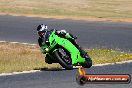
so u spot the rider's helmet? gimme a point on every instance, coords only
(42, 29)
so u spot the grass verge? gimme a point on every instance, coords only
(20, 57)
(101, 56)
(120, 10)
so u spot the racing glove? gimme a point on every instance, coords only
(67, 35)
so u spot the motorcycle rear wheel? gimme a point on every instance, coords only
(87, 63)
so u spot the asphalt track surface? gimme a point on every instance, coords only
(64, 78)
(90, 34)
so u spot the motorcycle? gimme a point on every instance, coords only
(63, 51)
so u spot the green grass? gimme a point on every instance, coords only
(111, 9)
(19, 57)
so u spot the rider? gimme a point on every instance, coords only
(44, 33)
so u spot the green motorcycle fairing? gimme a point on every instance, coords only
(55, 39)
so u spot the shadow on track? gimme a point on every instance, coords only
(52, 69)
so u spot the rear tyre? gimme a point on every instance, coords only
(64, 61)
(87, 63)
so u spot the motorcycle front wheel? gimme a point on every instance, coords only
(63, 58)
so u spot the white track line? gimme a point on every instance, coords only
(15, 73)
(122, 62)
(17, 43)
(33, 71)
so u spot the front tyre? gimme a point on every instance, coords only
(63, 59)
